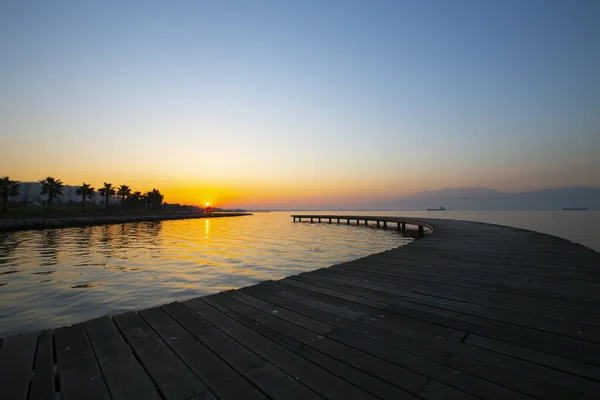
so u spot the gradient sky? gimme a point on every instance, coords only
(269, 103)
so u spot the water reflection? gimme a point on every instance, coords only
(8, 244)
(106, 240)
(84, 240)
(152, 230)
(125, 235)
(125, 240)
(49, 243)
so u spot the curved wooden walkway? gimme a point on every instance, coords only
(470, 311)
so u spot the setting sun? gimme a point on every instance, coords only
(207, 204)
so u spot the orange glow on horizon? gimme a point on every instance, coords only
(241, 189)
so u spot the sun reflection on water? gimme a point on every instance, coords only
(206, 231)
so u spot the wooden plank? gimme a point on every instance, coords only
(287, 308)
(534, 371)
(574, 330)
(427, 278)
(467, 264)
(236, 355)
(564, 346)
(42, 384)
(122, 373)
(575, 384)
(526, 287)
(219, 377)
(311, 302)
(516, 381)
(400, 342)
(456, 378)
(279, 385)
(385, 319)
(428, 275)
(311, 375)
(555, 253)
(78, 372)
(374, 302)
(549, 343)
(549, 375)
(406, 278)
(435, 390)
(367, 382)
(358, 277)
(283, 333)
(172, 377)
(16, 361)
(470, 296)
(273, 328)
(366, 323)
(470, 257)
(298, 319)
(565, 364)
(270, 379)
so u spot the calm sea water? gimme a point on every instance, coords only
(57, 277)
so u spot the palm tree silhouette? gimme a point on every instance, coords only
(106, 192)
(124, 191)
(10, 188)
(137, 197)
(144, 200)
(52, 187)
(155, 199)
(85, 191)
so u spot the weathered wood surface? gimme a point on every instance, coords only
(470, 311)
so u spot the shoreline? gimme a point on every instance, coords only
(37, 223)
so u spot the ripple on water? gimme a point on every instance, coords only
(99, 270)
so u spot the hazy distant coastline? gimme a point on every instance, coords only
(491, 199)
(466, 199)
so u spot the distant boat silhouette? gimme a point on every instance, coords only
(437, 209)
(575, 208)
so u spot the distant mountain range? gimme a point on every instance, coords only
(474, 198)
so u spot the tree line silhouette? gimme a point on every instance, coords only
(52, 188)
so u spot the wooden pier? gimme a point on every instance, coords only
(469, 311)
(420, 225)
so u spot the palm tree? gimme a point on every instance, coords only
(8, 188)
(144, 200)
(137, 197)
(124, 191)
(107, 191)
(85, 191)
(155, 199)
(52, 187)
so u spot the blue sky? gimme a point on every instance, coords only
(234, 100)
